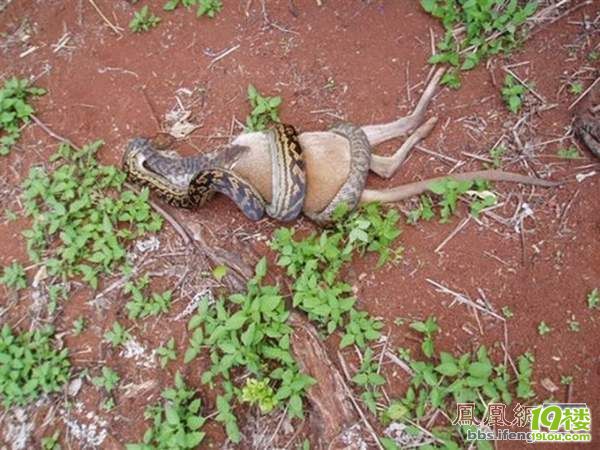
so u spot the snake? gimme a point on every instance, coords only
(189, 182)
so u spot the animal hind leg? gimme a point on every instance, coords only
(386, 166)
(377, 134)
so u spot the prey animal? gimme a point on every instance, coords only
(282, 173)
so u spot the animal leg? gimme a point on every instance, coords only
(386, 166)
(383, 132)
(411, 189)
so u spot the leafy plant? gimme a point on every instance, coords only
(14, 276)
(78, 325)
(513, 94)
(260, 393)
(141, 307)
(15, 111)
(423, 211)
(443, 380)
(167, 353)
(117, 335)
(264, 110)
(369, 379)
(576, 88)
(51, 442)
(81, 217)
(315, 262)
(209, 8)
(568, 153)
(507, 312)
(108, 380)
(450, 190)
(428, 329)
(566, 380)
(475, 30)
(249, 331)
(143, 20)
(176, 422)
(30, 366)
(543, 328)
(593, 299)
(574, 325)
(496, 154)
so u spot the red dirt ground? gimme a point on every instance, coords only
(355, 59)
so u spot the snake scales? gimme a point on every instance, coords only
(191, 181)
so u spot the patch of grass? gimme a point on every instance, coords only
(143, 20)
(141, 306)
(176, 422)
(568, 153)
(30, 366)
(265, 110)
(14, 276)
(593, 299)
(15, 111)
(167, 353)
(442, 380)
(476, 30)
(543, 328)
(513, 94)
(208, 8)
(81, 216)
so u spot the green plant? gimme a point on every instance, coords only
(543, 328)
(423, 211)
(566, 380)
(593, 299)
(442, 380)
(81, 218)
(370, 380)
(15, 111)
(507, 312)
(219, 272)
(513, 94)
(315, 262)
(30, 366)
(249, 331)
(264, 110)
(450, 190)
(593, 56)
(143, 20)
(576, 88)
(78, 325)
(209, 8)
(141, 307)
(568, 153)
(117, 335)
(14, 276)
(108, 380)
(496, 154)
(176, 422)
(574, 325)
(428, 329)
(167, 353)
(10, 215)
(51, 442)
(475, 30)
(259, 392)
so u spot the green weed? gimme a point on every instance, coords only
(14, 276)
(143, 20)
(51, 442)
(593, 299)
(259, 393)
(208, 8)
(513, 94)
(81, 216)
(15, 111)
(543, 328)
(568, 153)
(450, 190)
(140, 306)
(117, 335)
(176, 422)
(30, 366)
(264, 110)
(167, 353)
(370, 380)
(108, 380)
(78, 325)
(475, 30)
